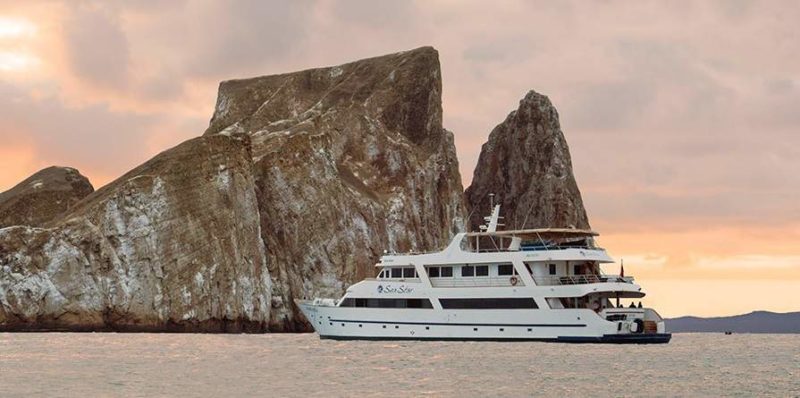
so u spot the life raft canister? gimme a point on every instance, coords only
(513, 280)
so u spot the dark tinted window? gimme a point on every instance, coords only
(467, 270)
(447, 272)
(387, 303)
(408, 272)
(397, 272)
(433, 272)
(418, 303)
(348, 302)
(505, 269)
(489, 303)
(552, 269)
(482, 270)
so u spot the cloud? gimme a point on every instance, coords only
(96, 46)
(212, 39)
(93, 139)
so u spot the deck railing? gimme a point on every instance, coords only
(488, 281)
(549, 280)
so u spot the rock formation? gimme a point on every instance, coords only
(349, 161)
(526, 163)
(43, 197)
(172, 245)
(299, 184)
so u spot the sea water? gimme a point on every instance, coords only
(276, 365)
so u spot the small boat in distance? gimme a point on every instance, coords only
(531, 284)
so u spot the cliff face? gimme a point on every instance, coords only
(43, 197)
(526, 163)
(172, 245)
(299, 184)
(348, 161)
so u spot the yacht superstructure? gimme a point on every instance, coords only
(531, 284)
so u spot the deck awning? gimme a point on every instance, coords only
(540, 233)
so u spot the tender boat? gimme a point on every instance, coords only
(530, 284)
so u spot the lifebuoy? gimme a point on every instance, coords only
(513, 280)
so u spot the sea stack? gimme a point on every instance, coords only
(526, 163)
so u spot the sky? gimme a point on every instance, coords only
(683, 117)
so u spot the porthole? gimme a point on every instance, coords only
(530, 330)
(502, 330)
(475, 329)
(360, 325)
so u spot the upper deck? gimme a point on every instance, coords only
(547, 244)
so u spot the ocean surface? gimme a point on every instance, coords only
(110, 364)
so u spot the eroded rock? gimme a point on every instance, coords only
(43, 197)
(349, 161)
(526, 163)
(299, 184)
(173, 245)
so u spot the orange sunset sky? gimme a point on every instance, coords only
(683, 117)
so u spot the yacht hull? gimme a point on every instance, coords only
(568, 326)
(658, 338)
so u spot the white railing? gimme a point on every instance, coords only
(487, 281)
(548, 280)
(398, 280)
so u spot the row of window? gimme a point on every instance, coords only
(466, 271)
(386, 303)
(489, 303)
(440, 272)
(447, 271)
(406, 272)
(447, 303)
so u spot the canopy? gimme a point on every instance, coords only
(541, 233)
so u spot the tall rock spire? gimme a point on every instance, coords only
(526, 163)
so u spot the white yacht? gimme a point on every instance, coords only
(533, 284)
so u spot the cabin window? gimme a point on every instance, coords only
(505, 269)
(482, 270)
(467, 270)
(409, 272)
(397, 272)
(552, 269)
(433, 272)
(387, 303)
(446, 272)
(488, 303)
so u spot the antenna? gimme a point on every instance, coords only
(528, 213)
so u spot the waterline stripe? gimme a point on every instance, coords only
(553, 325)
